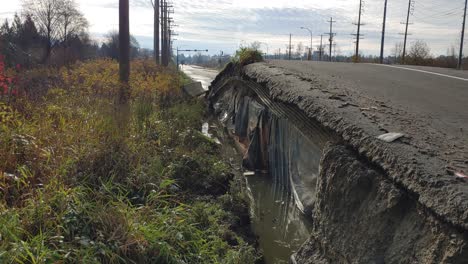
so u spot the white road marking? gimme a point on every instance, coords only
(428, 72)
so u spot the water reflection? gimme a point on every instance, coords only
(280, 225)
(200, 74)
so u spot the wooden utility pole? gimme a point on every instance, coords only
(156, 40)
(358, 32)
(460, 56)
(124, 41)
(167, 35)
(410, 3)
(290, 46)
(163, 32)
(331, 38)
(382, 42)
(321, 48)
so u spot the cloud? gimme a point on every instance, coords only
(222, 24)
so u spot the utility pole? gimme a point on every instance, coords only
(410, 10)
(163, 32)
(321, 48)
(156, 40)
(124, 43)
(310, 50)
(460, 57)
(290, 46)
(382, 43)
(331, 34)
(166, 35)
(358, 33)
(170, 32)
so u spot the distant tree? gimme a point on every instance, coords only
(5, 28)
(72, 24)
(6, 36)
(28, 35)
(18, 41)
(17, 25)
(419, 53)
(110, 47)
(71, 21)
(47, 15)
(397, 51)
(299, 50)
(256, 45)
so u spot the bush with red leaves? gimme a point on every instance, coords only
(8, 81)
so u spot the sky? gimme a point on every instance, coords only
(222, 25)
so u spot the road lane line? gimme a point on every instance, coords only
(416, 70)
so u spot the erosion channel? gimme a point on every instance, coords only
(323, 190)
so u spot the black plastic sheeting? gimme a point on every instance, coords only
(273, 145)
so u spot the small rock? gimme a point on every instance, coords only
(390, 137)
(249, 173)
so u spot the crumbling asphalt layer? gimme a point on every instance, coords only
(419, 163)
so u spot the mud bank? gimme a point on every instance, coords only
(370, 201)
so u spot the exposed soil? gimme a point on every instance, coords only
(376, 202)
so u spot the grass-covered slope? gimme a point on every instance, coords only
(75, 187)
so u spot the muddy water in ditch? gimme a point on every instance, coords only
(280, 226)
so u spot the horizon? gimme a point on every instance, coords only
(224, 25)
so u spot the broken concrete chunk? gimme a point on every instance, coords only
(194, 89)
(390, 137)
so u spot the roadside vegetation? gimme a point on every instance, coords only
(248, 55)
(75, 189)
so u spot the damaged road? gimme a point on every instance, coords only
(372, 201)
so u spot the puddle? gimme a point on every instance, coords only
(281, 227)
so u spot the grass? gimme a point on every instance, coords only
(247, 55)
(74, 189)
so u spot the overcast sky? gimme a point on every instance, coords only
(221, 25)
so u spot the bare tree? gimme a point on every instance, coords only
(397, 51)
(71, 20)
(419, 53)
(256, 45)
(71, 23)
(46, 13)
(299, 50)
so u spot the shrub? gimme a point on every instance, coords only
(245, 56)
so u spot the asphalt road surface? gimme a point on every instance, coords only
(439, 94)
(200, 74)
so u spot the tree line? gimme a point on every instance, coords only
(54, 32)
(418, 53)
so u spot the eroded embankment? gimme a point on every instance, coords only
(371, 202)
